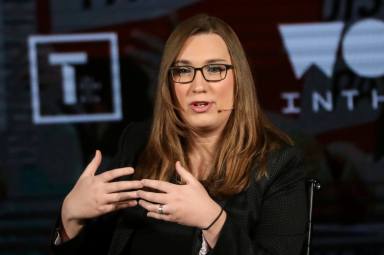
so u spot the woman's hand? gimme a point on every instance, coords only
(188, 204)
(95, 195)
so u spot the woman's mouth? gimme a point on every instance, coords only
(200, 106)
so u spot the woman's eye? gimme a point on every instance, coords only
(183, 70)
(215, 69)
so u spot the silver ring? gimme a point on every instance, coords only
(160, 209)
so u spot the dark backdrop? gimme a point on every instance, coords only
(323, 84)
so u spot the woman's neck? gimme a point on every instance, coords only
(201, 152)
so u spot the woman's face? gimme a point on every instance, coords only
(206, 105)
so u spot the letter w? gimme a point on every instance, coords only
(312, 44)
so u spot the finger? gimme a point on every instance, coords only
(121, 196)
(150, 207)
(165, 217)
(125, 204)
(158, 198)
(158, 185)
(93, 165)
(184, 174)
(115, 173)
(117, 206)
(112, 187)
(154, 208)
(106, 208)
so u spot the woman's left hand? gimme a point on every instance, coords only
(188, 204)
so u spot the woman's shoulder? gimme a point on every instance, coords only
(136, 130)
(284, 156)
(134, 134)
(284, 166)
(132, 141)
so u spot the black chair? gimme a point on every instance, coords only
(312, 186)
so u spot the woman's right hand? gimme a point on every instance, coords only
(95, 195)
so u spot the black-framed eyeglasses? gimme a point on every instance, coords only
(211, 72)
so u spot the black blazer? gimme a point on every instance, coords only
(269, 217)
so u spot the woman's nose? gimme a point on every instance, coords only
(199, 83)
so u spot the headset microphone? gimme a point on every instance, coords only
(224, 110)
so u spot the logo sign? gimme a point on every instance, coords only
(74, 78)
(317, 44)
(312, 44)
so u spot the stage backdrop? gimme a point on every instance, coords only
(73, 73)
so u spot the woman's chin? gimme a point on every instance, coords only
(206, 123)
(204, 126)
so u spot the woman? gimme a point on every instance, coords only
(209, 174)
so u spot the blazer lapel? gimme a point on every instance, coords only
(120, 237)
(128, 220)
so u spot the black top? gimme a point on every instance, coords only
(149, 233)
(269, 217)
(166, 237)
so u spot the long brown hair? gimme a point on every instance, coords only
(247, 136)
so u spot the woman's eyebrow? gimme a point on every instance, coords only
(185, 62)
(210, 61)
(215, 60)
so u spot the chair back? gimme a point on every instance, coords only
(312, 186)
